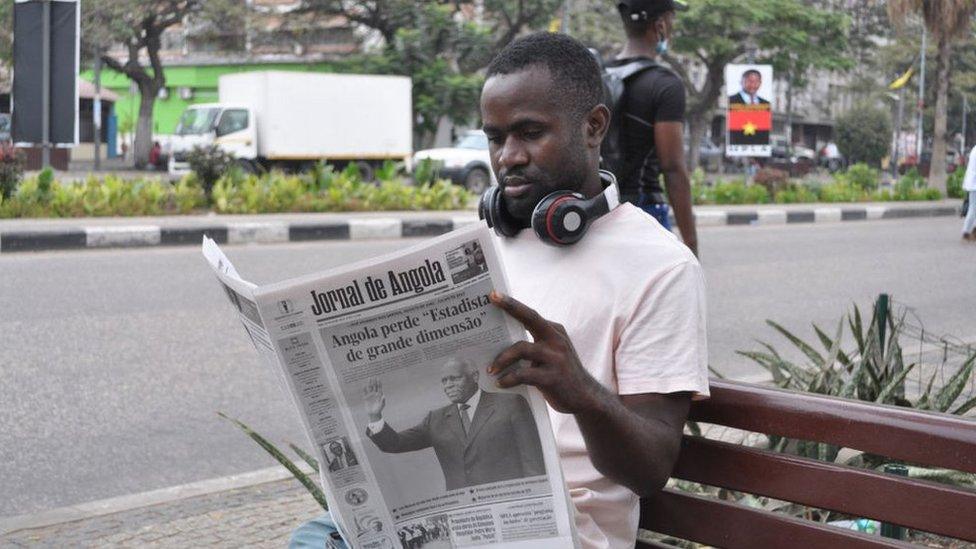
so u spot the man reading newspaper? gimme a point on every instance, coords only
(617, 319)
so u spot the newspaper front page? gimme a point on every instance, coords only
(385, 361)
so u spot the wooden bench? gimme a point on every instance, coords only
(929, 439)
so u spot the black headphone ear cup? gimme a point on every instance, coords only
(484, 205)
(543, 222)
(491, 208)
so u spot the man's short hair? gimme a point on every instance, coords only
(640, 15)
(574, 71)
(751, 72)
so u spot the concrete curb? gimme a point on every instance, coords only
(82, 511)
(376, 227)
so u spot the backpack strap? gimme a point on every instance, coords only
(624, 72)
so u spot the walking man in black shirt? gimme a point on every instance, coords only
(653, 124)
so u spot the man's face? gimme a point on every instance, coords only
(336, 448)
(751, 83)
(536, 146)
(459, 383)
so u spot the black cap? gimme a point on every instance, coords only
(643, 10)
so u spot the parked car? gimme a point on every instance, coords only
(797, 164)
(905, 164)
(711, 156)
(467, 163)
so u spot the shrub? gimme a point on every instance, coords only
(862, 176)
(794, 194)
(210, 163)
(44, 179)
(11, 170)
(842, 191)
(426, 171)
(731, 192)
(772, 179)
(345, 191)
(913, 186)
(954, 183)
(756, 194)
(42, 196)
(863, 134)
(700, 192)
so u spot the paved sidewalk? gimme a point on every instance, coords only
(262, 515)
(103, 232)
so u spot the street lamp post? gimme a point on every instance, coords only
(965, 115)
(898, 123)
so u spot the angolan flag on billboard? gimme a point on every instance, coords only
(749, 118)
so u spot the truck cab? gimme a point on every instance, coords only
(232, 127)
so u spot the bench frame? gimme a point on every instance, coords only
(924, 438)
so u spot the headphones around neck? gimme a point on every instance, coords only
(560, 218)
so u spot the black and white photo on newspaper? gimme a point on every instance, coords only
(386, 362)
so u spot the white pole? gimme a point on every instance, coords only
(567, 6)
(919, 134)
(46, 83)
(97, 108)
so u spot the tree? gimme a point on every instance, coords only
(864, 134)
(808, 40)
(138, 25)
(946, 21)
(6, 32)
(792, 34)
(440, 45)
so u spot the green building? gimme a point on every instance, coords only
(185, 85)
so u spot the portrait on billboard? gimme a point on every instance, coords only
(749, 119)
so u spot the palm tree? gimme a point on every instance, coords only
(945, 20)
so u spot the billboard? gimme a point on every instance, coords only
(749, 119)
(27, 94)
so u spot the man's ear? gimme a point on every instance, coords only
(597, 123)
(661, 28)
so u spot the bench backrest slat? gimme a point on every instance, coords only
(723, 524)
(909, 502)
(938, 440)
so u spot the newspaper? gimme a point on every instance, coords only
(385, 361)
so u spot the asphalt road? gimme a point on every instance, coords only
(113, 363)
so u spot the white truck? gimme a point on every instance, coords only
(290, 120)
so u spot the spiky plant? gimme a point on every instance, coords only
(874, 371)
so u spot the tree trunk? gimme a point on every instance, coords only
(144, 129)
(696, 129)
(937, 172)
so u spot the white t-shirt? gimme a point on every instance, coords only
(969, 178)
(632, 299)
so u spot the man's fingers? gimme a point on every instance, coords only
(533, 321)
(521, 350)
(520, 375)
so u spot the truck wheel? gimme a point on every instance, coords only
(367, 171)
(246, 166)
(477, 180)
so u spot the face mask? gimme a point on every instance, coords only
(662, 46)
